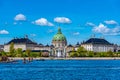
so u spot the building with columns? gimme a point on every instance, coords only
(60, 43)
(59, 47)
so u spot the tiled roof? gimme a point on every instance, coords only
(97, 41)
(21, 40)
(38, 51)
(1, 47)
(47, 45)
(69, 45)
(52, 46)
(77, 45)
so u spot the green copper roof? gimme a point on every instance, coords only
(59, 36)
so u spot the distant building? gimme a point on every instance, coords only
(23, 43)
(1, 48)
(59, 42)
(97, 45)
(59, 47)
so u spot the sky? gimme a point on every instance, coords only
(79, 20)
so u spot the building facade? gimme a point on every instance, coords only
(59, 47)
(23, 43)
(59, 42)
(1, 48)
(98, 45)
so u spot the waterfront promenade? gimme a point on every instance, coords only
(75, 58)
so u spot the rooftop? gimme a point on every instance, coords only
(21, 40)
(97, 41)
(59, 36)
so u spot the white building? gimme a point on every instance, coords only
(60, 43)
(57, 49)
(23, 43)
(97, 45)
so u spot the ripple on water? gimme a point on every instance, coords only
(61, 70)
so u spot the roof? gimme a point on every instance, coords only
(69, 45)
(21, 40)
(47, 45)
(77, 45)
(1, 47)
(41, 45)
(59, 36)
(38, 51)
(96, 41)
(52, 46)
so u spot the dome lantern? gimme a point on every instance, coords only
(59, 31)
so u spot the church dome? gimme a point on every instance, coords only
(59, 36)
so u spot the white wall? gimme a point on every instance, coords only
(22, 46)
(98, 47)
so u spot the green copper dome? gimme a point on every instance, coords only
(59, 36)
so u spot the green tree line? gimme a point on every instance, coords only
(82, 52)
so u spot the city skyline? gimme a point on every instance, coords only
(78, 19)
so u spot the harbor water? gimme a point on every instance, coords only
(61, 70)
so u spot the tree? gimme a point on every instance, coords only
(110, 53)
(82, 51)
(3, 56)
(74, 54)
(40, 54)
(19, 52)
(12, 50)
(28, 51)
(90, 53)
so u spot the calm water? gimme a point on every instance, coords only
(61, 70)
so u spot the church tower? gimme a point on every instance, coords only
(59, 42)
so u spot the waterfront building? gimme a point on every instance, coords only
(59, 47)
(69, 49)
(60, 43)
(98, 45)
(23, 43)
(1, 48)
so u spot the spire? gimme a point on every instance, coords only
(59, 31)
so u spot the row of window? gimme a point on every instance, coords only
(59, 45)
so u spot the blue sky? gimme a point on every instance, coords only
(78, 19)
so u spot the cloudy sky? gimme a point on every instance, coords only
(78, 19)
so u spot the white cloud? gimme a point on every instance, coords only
(90, 24)
(101, 29)
(116, 29)
(20, 17)
(110, 22)
(50, 31)
(33, 35)
(76, 33)
(62, 20)
(4, 32)
(43, 22)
